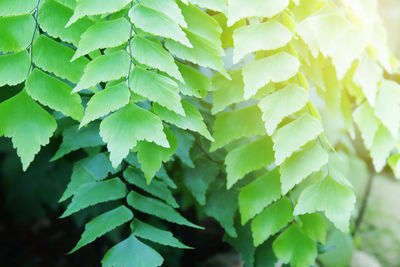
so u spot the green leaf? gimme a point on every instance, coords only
(332, 197)
(151, 156)
(117, 32)
(131, 253)
(271, 220)
(16, 32)
(278, 105)
(276, 68)
(134, 124)
(236, 124)
(14, 68)
(89, 8)
(154, 234)
(388, 104)
(257, 195)
(227, 31)
(168, 8)
(191, 121)
(243, 243)
(314, 226)
(203, 25)
(263, 36)
(157, 23)
(264, 255)
(161, 174)
(341, 252)
(157, 88)
(248, 158)
(254, 8)
(96, 192)
(91, 169)
(16, 7)
(301, 164)
(54, 93)
(227, 92)
(102, 224)
(157, 208)
(185, 143)
(381, 148)
(157, 188)
(105, 101)
(79, 177)
(196, 84)
(199, 178)
(346, 111)
(27, 124)
(367, 76)
(367, 122)
(333, 89)
(60, 65)
(294, 247)
(291, 137)
(202, 53)
(394, 163)
(337, 38)
(104, 68)
(222, 205)
(75, 138)
(52, 18)
(152, 54)
(216, 5)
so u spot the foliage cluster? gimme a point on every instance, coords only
(285, 86)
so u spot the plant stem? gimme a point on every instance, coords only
(363, 204)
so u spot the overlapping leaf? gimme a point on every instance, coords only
(331, 196)
(294, 135)
(117, 30)
(254, 8)
(247, 158)
(60, 65)
(53, 16)
(54, 93)
(257, 195)
(237, 124)
(131, 253)
(151, 156)
(152, 54)
(157, 88)
(106, 101)
(277, 106)
(14, 68)
(89, 8)
(149, 232)
(16, 32)
(255, 37)
(133, 124)
(96, 192)
(104, 68)
(27, 124)
(276, 68)
(157, 208)
(193, 120)
(157, 23)
(103, 224)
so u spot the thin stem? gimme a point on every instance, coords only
(207, 155)
(130, 53)
(35, 16)
(363, 204)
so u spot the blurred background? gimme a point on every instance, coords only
(32, 235)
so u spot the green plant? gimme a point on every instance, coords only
(126, 82)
